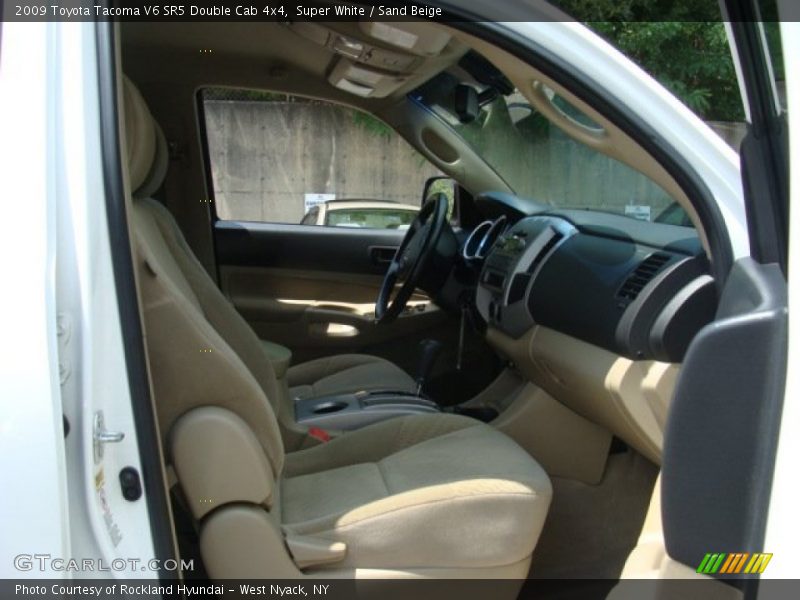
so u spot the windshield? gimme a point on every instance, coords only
(535, 158)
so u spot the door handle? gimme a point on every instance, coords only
(382, 255)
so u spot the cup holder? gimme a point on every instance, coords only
(332, 406)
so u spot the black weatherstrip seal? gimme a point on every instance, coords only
(208, 178)
(632, 125)
(122, 260)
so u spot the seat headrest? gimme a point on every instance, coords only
(145, 143)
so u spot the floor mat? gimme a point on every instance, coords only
(591, 529)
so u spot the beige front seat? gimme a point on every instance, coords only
(320, 377)
(433, 495)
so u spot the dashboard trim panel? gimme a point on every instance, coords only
(546, 271)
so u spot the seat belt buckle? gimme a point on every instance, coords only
(319, 434)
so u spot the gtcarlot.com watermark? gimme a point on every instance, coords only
(48, 562)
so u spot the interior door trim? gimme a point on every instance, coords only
(302, 247)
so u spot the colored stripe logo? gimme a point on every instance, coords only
(733, 563)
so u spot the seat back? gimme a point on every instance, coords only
(201, 351)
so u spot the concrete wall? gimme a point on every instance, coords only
(558, 170)
(266, 156)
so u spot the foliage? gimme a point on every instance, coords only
(371, 124)
(692, 60)
(443, 186)
(681, 43)
(241, 95)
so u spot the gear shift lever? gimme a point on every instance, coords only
(428, 353)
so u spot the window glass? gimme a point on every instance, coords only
(537, 159)
(674, 214)
(772, 36)
(284, 159)
(683, 45)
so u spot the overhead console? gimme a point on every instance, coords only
(374, 58)
(639, 300)
(422, 39)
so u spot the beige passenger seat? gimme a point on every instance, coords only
(435, 495)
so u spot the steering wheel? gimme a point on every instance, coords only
(412, 258)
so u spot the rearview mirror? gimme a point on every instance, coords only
(466, 103)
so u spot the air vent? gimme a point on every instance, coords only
(641, 276)
(518, 286)
(551, 243)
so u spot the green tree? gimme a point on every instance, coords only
(681, 43)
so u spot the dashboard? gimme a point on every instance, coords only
(638, 289)
(595, 309)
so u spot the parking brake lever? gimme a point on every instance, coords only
(428, 353)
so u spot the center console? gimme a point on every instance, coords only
(354, 410)
(511, 268)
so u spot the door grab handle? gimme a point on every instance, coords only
(382, 255)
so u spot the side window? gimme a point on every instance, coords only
(284, 159)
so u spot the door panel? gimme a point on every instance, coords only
(304, 247)
(726, 410)
(313, 289)
(729, 397)
(317, 313)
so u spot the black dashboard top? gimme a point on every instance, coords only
(683, 240)
(672, 238)
(636, 288)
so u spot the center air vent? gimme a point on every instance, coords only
(551, 243)
(641, 276)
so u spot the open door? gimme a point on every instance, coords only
(721, 438)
